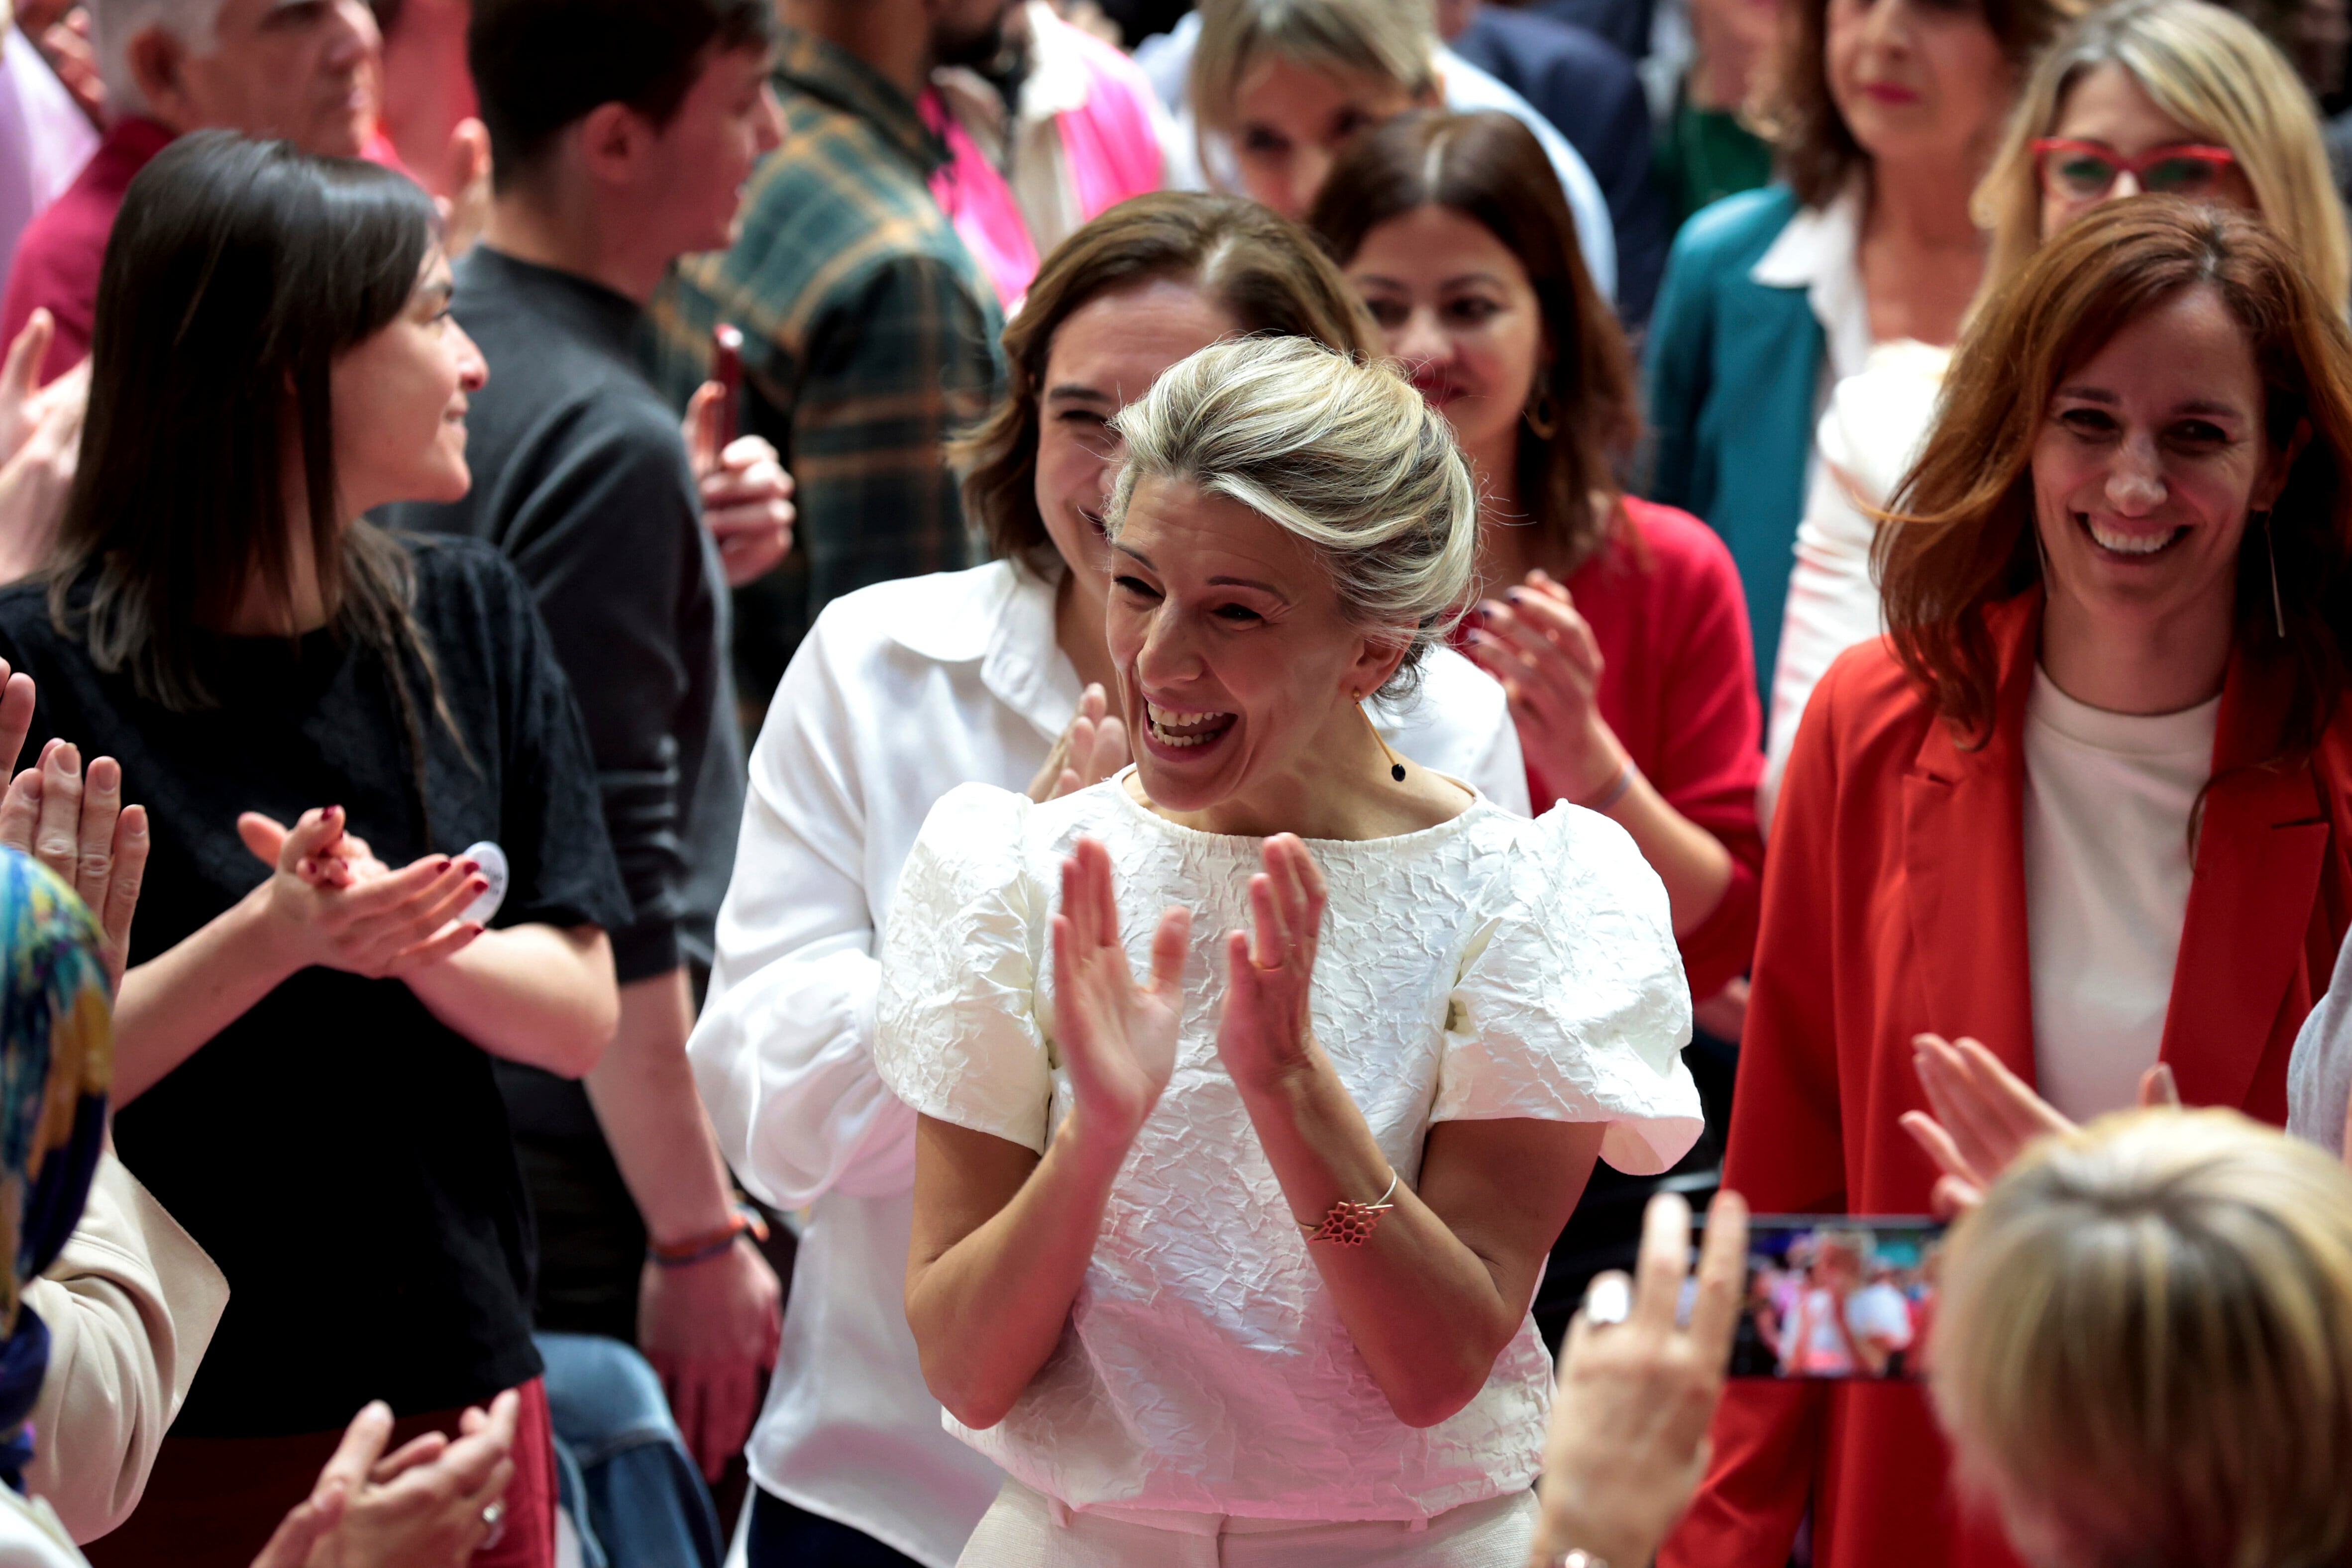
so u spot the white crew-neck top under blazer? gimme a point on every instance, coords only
(2108, 800)
(1490, 967)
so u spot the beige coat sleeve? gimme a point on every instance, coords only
(130, 1304)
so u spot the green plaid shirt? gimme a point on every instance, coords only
(870, 336)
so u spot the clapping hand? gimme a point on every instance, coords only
(1271, 968)
(1091, 749)
(332, 904)
(1544, 652)
(1117, 1040)
(75, 825)
(1629, 1422)
(1985, 1115)
(433, 1504)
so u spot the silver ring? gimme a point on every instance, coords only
(494, 1519)
(1609, 1299)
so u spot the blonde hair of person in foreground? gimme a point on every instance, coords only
(2143, 1347)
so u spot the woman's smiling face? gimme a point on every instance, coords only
(1237, 662)
(1103, 356)
(2151, 456)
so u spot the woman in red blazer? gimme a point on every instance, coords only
(2137, 500)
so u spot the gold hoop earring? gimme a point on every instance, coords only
(1542, 415)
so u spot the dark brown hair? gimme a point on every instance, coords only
(1261, 269)
(1491, 168)
(237, 273)
(1814, 148)
(1961, 536)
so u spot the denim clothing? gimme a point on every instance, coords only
(630, 1486)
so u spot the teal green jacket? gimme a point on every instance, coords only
(1732, 367)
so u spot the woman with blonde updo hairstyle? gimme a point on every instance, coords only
(901, 692)
(1243, 1248)
(2144, 1351)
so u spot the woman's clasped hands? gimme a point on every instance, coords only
(331, 902)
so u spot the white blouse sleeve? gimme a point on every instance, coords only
(1571, 1005)
(783, 1050)
(956, 1035)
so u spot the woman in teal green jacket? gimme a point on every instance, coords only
(1886, 113)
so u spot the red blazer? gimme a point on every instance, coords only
(1894, 904)
(1679, 687)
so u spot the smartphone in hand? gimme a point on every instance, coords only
(727, 370)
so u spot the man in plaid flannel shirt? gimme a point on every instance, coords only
(869, 331)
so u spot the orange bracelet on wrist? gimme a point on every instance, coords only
(703, 1248)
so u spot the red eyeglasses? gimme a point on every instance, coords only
(2086, 171)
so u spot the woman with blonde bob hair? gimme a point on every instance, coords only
(2165, 85)
(1272, 91)
(2144, 1350)
(2086, 803)
(1231, 1261)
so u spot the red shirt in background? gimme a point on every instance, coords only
(59, 259)
(1679, 687)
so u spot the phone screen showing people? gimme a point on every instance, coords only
(1830, 1296)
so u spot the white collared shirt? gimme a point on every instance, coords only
(1820, 251)
(901, 692)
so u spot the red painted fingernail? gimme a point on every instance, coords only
(478, 885)
(441, 865)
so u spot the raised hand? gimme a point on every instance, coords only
(1118, 1039)
(1544, 652)
(393, 925)
(1265, 1032)
(1629, 1423)
(1090, 751)
(1984, 1115)
(77, 826)
(747, 497)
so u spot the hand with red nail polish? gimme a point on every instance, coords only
(332, 902)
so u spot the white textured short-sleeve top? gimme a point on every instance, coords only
(1490, 967)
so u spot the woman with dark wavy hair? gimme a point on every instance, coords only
(303, 1038)
(2088, 802)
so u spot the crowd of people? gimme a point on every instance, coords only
(956, 782)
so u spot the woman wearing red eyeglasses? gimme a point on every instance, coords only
(2170, 96)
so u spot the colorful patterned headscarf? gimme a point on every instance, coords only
(56, 1058)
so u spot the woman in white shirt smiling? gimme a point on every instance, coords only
(1245, 1252)
(902, 692)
